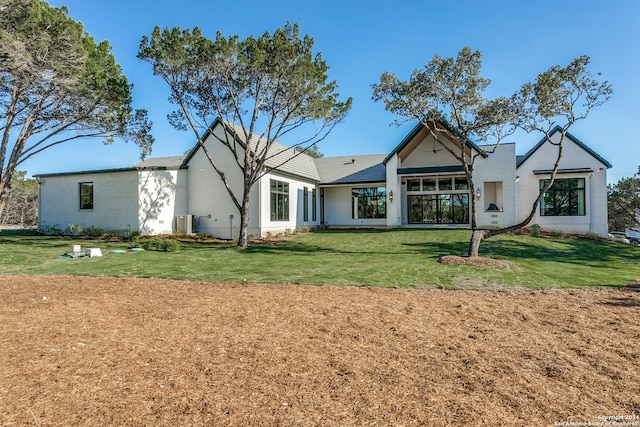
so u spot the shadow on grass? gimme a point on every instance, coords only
(567, 250)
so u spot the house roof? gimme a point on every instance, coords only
(279, 157)
(351, 169)
(521, 159)
(170, 162)
(414, 132)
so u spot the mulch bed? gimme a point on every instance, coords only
(122, 351)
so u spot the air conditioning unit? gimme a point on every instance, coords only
(184, 224)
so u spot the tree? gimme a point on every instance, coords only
(21, 206)
(624, 203)
(312, 151)
(262, 88)
(56, 85)
(446, 96)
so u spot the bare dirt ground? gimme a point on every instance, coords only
(109, 351)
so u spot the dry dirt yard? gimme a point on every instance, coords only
(96, 351)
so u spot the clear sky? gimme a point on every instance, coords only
(362, 39)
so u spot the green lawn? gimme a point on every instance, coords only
(399, 257)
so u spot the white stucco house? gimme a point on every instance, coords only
(417, 184)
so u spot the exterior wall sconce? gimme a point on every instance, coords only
(478, 192)
(390, 196)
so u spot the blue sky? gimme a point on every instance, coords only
(360, 40)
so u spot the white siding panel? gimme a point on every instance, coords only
(162, 195)
(338, 209)
(115, 201)
(574, 157)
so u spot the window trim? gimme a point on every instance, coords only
(378, 193)
(578, 191)
(82, 204)
(279, 196)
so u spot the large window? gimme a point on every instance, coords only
(439, 209)
(369, 202)
(438, 200)
(86, 195)
(566, 197)
(279, 200)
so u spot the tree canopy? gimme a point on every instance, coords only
(624, 203)
(446, 96)
(265, 88)
(57, 84)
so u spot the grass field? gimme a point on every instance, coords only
(391, 258)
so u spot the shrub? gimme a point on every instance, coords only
(591, 235)
(557, 233)
(535, 230)
(94, 231)
(50, 230)
(169, 245)
(75, 230)
(155, 243)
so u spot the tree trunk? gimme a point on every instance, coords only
(244, 218)
(474, 245)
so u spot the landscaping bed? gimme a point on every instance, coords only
(125, 351)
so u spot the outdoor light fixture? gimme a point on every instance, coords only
(478, 192)
(390, 196)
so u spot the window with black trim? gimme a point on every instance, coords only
(279, 200)
(566, 197)
(314, 208)
(369, 202)
(305, 204)
(86, 195)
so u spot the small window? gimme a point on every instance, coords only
(429, 184)
(461, 184)
(305, 204)
(86, 195)
(413, 185)
(444, 184)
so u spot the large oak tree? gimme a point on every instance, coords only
(56, 85)
(447, 97)
(264, 89)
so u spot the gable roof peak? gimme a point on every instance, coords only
(557, 128)
(418, 127)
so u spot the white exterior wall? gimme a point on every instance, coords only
(574, 157)
(209, 200)
(500, 168)
(394, 208)
(423, 155)
(338, 207)
(296, 205)
(162, 194)
(214, 209)
(115, 201)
